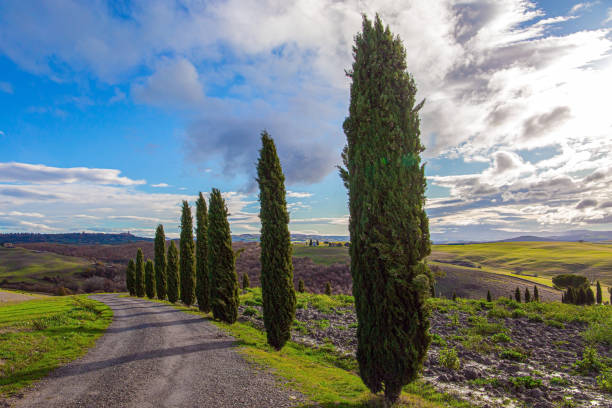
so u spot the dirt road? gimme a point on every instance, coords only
(153, 355)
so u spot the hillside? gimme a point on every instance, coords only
(80, 238)
(46, 272)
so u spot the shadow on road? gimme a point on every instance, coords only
(155, 324)
(145, 313)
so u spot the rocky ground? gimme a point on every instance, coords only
(486, 359)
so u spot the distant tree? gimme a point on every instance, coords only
(161, 281)
(589, 296)
(150, 279)
(454, 297)
(140, 284)
(301, 286)
(527, 296)
(328, 289)
(536, 294)
(489, 296)
(245, 281)
(187, 259)
(582, 296)
(277, 288)
(173, 273)
(599, 294)
(570, 280)
(517, 295)
(571, 296)
(202, 284)
(224, 298)
(130, 277)
(388, 224)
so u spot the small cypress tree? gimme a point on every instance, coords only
(388, 224)
(599, 294)
(245, 281)
(454, 297)
(301, 286)
(202, 283)
(187, 258)
(140, 270)
(536, 294)
(173, 273)
(563, 300)
(150, 279)
(570, 296)
(277, 288)
(224, 298)
(489, 296)
(589, 296)
(582, 296)
(527, 296)
(517, 295)
(328, 290)
(161, 263)
(130, 277)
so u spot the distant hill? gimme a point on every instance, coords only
(79, 238)
(569, 236)
(294, 237)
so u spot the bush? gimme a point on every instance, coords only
(590, 362)
(526, 381)
(250, 311)
(448, 358)
(518, 313)
(604, 381)
(437, 340)
(554, 323)
(558, 381)
(498, 312)
(513, 355)
(501, 338)
(534, 317)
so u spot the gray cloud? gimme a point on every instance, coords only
(504, 161)
(606, 204)
(22, 193)
(586, 203)
(538, 125)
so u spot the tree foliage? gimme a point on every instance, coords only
(570, 281)
(149, 279)
(246, 283)
(130, 277)
(599, 297)
(489, 296)
(221, 261)
(277, 288)
(187, 257)
(161, 263)
(527, 295)
(517, 295)
(388, 225)
(172, 272)
(140, 284)
(202, 284)
(301, 286)
(536, 294)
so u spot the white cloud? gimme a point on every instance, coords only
(609, 17)
(34, 173)
(160, 185)
(297, 194)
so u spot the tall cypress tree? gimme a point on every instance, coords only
(130, 277)
(221, 262)
(489, 299)
(202, 285)
(140, 284)
(172, 272)
(160, 263)
(388, 225)
(187, 260)
(536, 294)
(599, 294)
(149, 279)
(517, 295)
(276, 266)
(527, 295)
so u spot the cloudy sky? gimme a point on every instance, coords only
(115, 111)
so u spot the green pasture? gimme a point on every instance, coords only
(323, 254)
(18, 264)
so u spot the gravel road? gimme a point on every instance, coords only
(153, 355)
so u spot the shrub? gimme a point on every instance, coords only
(301, 286)
(525, 381)
(448, 358)
(250, 311)
(590, 362)
(604, 381)
(558, 381)
(328, 289)
(554, 323)
(501, 338)
(513, 355)
(518, 313)
(437, 340)
(498, 312)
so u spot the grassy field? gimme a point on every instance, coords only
(322, 255)
(37, 336)
(23, 264)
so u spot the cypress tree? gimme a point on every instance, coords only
(221, 262)
(187, 258)
(489, 296)
(245, 281)
(527, 296)
(599, 294)
(277, 288)
(590, 296)
(328, 290)
(140, 285)
(172, 272)
(582, 296)
(454, 297)
(160, 263)
(388, 225)
(150, 279)
(301, 286)
(517, 295)
(202, 286)
(570, 296)
(536, 294)
(130, 277)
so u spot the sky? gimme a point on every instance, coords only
(113, 112)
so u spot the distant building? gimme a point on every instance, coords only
(8, 245)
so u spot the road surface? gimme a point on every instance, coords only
(153, 355)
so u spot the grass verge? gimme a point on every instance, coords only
(37, 336)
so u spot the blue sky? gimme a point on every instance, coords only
(113, 112)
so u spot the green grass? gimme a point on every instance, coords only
(322, 255)
(535, 261)
(23, 265)
(37, 336)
